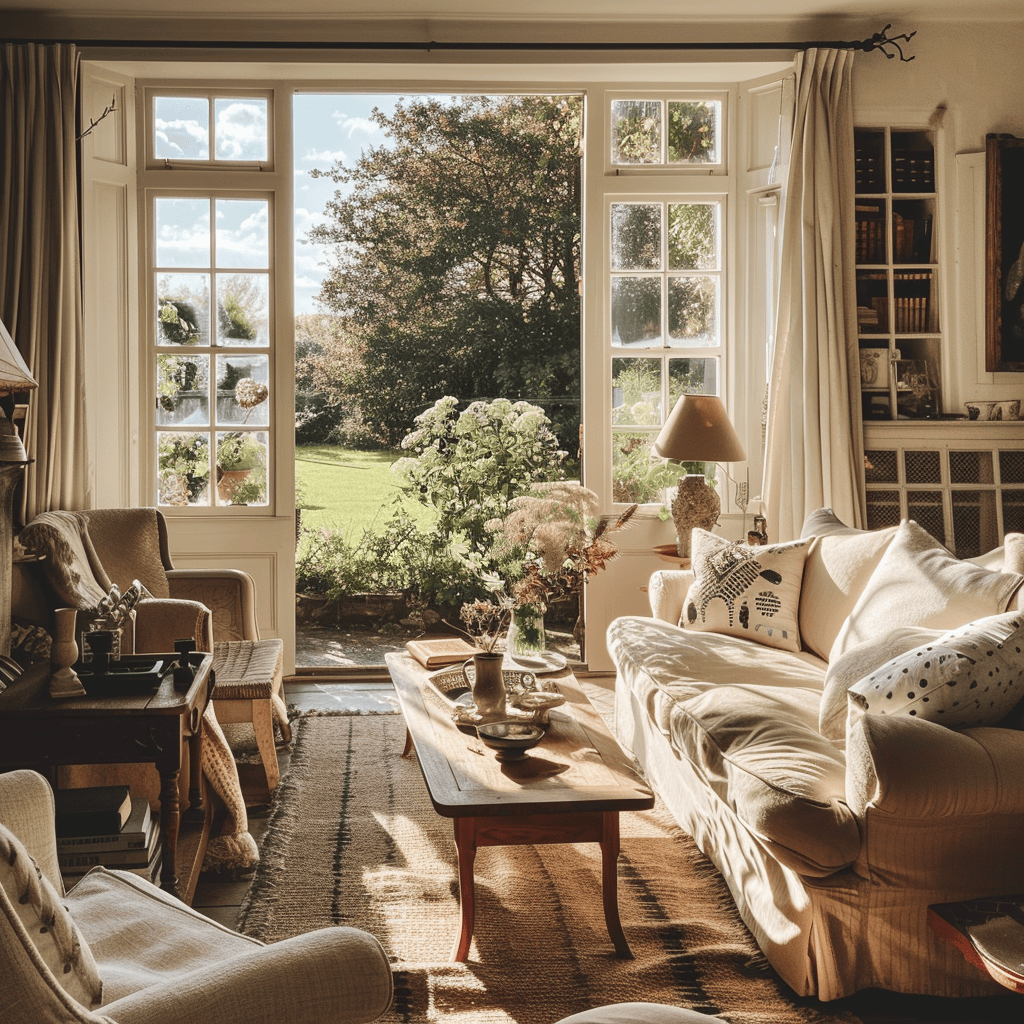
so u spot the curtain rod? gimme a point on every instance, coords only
(879, 41)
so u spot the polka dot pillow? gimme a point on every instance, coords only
(970, 676)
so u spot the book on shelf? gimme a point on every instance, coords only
(134, 835)
(91, 810)
(125, 857)
(433, 653)
(150, 870)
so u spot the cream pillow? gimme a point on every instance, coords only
(970, 676)
(746, 591)
(50, 927)
(919, 583)
(855, 665)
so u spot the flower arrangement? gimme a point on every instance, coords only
(486, 620)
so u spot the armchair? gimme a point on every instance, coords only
(140, 956)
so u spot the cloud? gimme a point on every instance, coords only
(351, 125)
(325, 156)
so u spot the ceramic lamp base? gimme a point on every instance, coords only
(696, 504)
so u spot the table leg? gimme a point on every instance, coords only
(610, 883)
(170, 821)
(408, 743)
(465, 844)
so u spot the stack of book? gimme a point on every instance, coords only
(105, 825)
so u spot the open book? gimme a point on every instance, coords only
(433, 653)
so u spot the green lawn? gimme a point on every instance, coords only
(345, 489)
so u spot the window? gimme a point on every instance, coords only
(211, 294)
(665, 282)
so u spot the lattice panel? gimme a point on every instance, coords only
(975, 526)
(1013, 511)
(926, 508)
(881, 467)
(970, 468)
(923, 467)
(883, 509)
(1011, 467)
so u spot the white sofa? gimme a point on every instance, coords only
(835, 831)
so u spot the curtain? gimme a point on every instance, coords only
(40, 280)
(815, 448)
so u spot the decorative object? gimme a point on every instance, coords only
(525, 697)
(510, 740)
(1004, 249)
(15, 376)
(63, 654)
(750, 592)
(917, 393)
(697, 430)
(486, 683)
(874, 369)
(1008, 409)
(526, 631)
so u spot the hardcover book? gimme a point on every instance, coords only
(92, 810)
(126, 857)
(135, 834)
(441, 651)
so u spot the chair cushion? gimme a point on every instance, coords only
(840, 561)
(141, 936)
(747, 591)
(247, 669)
(50, 927)
(919, 583)
(972, 676)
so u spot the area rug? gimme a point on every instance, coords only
(352, 839)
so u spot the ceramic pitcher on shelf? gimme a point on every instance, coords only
(486, 683)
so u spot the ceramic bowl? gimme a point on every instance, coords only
(510, 740)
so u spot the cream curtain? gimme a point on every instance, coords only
(814, 447)
(40, 280)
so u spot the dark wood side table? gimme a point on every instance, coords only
(37, 731)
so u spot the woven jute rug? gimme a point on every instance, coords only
(352, 839)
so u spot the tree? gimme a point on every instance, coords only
(456, 258)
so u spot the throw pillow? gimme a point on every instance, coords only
(919, 583)
(746, 591)
(855, 665)
(50, 927)
(970, 676)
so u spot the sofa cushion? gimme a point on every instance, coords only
(759, 749)
(840, 561)
(971, 676)
(858, 663)
(747, 591)
(49, 926)
(919, 583)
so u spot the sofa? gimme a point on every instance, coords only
(835, 721)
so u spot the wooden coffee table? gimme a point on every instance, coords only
(568, 789)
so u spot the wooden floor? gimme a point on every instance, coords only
(220, 899)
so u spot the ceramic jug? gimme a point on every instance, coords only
(487, 683)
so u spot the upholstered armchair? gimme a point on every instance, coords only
(117, 950)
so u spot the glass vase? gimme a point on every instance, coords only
(526, 631)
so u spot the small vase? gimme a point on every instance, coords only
(487, 684)
(526, 631)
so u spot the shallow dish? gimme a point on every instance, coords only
(510, 740)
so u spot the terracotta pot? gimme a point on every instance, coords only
(229, 482)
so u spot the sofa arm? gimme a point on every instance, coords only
(333, 974)
(230, 594)
(666, 591)
(160, 621)
(937, 807)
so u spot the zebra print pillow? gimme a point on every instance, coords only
(746, 591)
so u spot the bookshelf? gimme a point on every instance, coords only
(897, 274)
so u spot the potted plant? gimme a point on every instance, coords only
(238, 454)
(183, 465)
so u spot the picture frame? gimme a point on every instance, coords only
(1004, 254)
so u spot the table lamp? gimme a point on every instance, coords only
(14, 377)
(697, 430)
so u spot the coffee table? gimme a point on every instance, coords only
(568, 789)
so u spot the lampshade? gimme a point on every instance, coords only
(698, 430)
(14, 377)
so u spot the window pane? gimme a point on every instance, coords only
(183, 309)
(636, 131)
(636, 311)
(242, 390)
(182, 228)
(691, 377)
(181, 128)
(637, 474)
(636, 236)
(183, 468)
(693, 236)
(242, 233)
(242, 468)
(183, 390)
(636, 392)
(693, 132)
(242, 301)
(241, 129)
(692, 317)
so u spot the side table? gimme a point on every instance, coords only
(37, 731)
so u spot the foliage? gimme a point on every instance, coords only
(183, 458)
(234, 320)
(468, 466)
(179, 322)
(456, 258)
(690, 131)
(240, 451)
